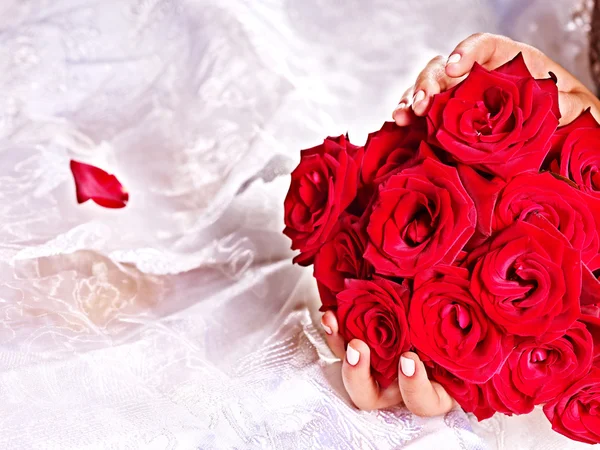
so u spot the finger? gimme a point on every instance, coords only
(421, 396)
(360, 384)
(492, 51)
(356, 374)
(432, 80)
(403, 115)
(483, 48)
(332, 336)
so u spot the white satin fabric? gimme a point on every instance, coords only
(179, 321)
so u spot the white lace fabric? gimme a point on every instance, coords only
(179, 322)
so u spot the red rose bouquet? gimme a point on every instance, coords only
(472, 237)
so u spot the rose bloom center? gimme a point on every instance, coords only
(593, 176)
(458, 315)
(313, 190)
(514, 274)
(419, 229)
(486, 111)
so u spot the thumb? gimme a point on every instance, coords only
(421, 396)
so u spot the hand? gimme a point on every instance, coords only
(491, 51)
(421, 396)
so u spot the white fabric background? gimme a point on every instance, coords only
(179, 321)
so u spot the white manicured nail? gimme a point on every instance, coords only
(326, 328)
(352, 356)
(401, 107)
(408, 366)
(419, 96)
(454, 58)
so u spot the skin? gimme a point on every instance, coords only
(492, 51)
(420, 395)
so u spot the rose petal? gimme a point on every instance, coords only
(484, 193)
(590, 288)
(515, 67)
(93, 183)
(576, 412)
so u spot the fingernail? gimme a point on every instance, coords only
(326, 328)
(453, 59)
(419, 96)
(407, 365)
(352, 356)
(401, 107)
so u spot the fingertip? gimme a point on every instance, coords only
(477, 47)
(419, 96)
(407, 366)
(401, 113)
(420, 105)
(456, 70)
(334, 340)
(359, 346)
(352, 355)
(357, 353)
(409, 362)
(329, 322)
(458, 64)
(454, 58)
(411, 355)
(402, 117)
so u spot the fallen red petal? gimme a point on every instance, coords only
(95, 184)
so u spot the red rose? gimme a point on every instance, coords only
(375, 312)
(491, 396)
(387, 152)
(499, 122)
(421, 217)
(341, 258)
(543, 200)
(484, 193)
(590, 288)
(469, 396)
(323, 186)
(593, 325)
(576, 412)
(528, 281)
(575, 153)
(391, 149)
(585, 120)
(449, 327)
(592, 310)
(535, 373)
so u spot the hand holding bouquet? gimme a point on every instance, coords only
(471, 236)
